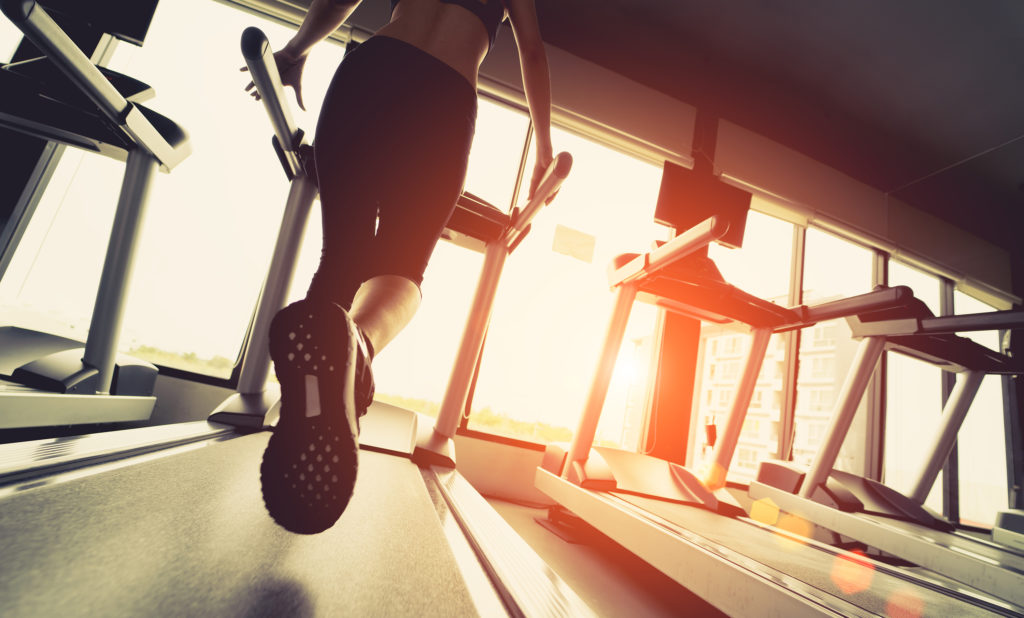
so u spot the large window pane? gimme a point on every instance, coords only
(553, 304)
(981, 444)
(497, 150)
(761, 268)
(210, 224)
(834, 268)
(10, 37)
(913, 397)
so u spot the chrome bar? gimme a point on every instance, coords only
(260, 60)
(991, 320)
(862, 303)
(45, 34)
(463, 370)
(550, 183)
(105, 329)
(863, 366)
(945, 437)
(256, 362)
(583, 439)
(726, 445)
(679, 247)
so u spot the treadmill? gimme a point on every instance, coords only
(65, 98)
(872, 513)
(169, 520)
(692, 525)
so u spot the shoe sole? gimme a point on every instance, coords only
(309, 467)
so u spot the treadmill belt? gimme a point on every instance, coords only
(870, 590)
(188, 535)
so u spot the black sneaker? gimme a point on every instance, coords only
(309, 467)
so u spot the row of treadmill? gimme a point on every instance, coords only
(797, 541)
(168, 519)
(865, 547)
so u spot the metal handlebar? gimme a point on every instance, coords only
(259, 57)
(45, 34)
(862, 303)
(550, 183)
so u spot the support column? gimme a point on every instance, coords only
(864, 362)
(583, 439)
(108, 311)
(945, 438)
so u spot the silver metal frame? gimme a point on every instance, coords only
(626, 285)
(436, 448)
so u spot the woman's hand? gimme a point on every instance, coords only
(543, 163)
(290, 67)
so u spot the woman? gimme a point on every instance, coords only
(390, 153)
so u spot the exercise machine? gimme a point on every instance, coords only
(65, 98)
(474, 224)
(169, 520)
(690, 524)
(872, 513)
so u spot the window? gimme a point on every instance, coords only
(761, 268)
(553, 305)
(10, 37)
(210, 224)
(833, 268)
(981, 444)
(913, 397)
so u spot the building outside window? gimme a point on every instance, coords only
(761, 268)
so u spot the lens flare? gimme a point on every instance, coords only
(765, 511)
(852, 572)
(796, 525)
(715, 476)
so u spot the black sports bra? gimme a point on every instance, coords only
(490, 12)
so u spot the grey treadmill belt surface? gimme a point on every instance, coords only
(187, 534)
(874, 589)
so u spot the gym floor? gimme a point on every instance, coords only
(611, 580)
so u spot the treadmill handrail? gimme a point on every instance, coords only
(883, 298)
(693, 239)
(550, 183)
(169, 148)
(45, 34)
(259, 58)
(967, 322)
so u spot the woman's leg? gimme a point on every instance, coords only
(383, 306)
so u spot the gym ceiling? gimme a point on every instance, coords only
(923, 99)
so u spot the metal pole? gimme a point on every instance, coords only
(868, 352)
(472, 341)
(583, 439)
(256, 362)
(942, 442)
(726, 445)
(105, 328)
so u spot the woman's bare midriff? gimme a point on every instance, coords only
(448, 32)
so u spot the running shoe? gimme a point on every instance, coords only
(309, 467)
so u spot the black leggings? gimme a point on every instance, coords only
(391, 147)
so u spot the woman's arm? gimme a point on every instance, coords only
(322, 18)
(533, 63)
